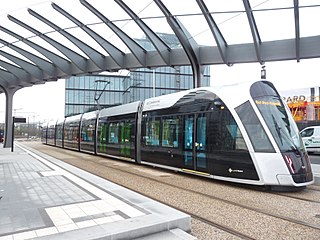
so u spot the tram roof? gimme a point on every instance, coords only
(49, 41)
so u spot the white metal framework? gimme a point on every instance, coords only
(47, 58)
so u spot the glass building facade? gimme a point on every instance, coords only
(91, 92)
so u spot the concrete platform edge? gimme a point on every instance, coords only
(161, 217)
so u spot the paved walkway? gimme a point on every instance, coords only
(44, 198)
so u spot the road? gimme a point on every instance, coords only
(314, 158)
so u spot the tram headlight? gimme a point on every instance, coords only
(219, 104)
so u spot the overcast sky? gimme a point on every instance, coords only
(47, 101)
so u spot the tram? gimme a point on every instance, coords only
(240, 133)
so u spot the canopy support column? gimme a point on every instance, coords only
(8, 118)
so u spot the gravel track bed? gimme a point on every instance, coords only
(305, 195)
(158, 185)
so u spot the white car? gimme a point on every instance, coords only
(311, 138)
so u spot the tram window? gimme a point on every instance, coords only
(59, 131)
(152, 132)
(257, 135)
(223, 132)
(87, 131)
(188, 132)
(201, 133)
(66, 135)
(170, 132)
(75, 133)
(126, 131)
(102, 132)
(113, 133)
(236, 137)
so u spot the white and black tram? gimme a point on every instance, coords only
(240, 133)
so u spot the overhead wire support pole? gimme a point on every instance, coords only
(297, 28)
(97, 98)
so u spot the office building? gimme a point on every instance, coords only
(91, 92)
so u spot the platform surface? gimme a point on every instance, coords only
(45, 198)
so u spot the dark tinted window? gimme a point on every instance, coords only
(223, 131)
(170, 129)
(152, 132)
(278, 118)
(113, 133)
(262, 89)
(257, 135)
(87, 130)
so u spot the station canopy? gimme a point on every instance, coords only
(47, 41)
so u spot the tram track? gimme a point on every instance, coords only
(229, 202)
(187, 191)
(299, 198)
(315, 188)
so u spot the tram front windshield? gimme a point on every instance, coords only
(277, 117)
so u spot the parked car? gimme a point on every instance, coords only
(311, 138)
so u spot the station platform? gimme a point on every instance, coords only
(44, 198)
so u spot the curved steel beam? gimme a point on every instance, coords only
(189, 45)
(10, 80)
(138, 51)
(116, 54)
(64, 65)
(4, 83)
(14, 70)
(221, 42)
(254, 30)
(33, 70)
(96, 57)
(162, 48)
(48, 68)
(77, 59)
(297, 27)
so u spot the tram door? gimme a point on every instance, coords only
(195, 142)
(125, 137)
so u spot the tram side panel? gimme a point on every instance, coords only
(116, 136)
(88, 132)
(227, 151)
(161, 138)
(87, 135)
(51, 134)
(197, 135)
(59, 133)
(71, 133)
